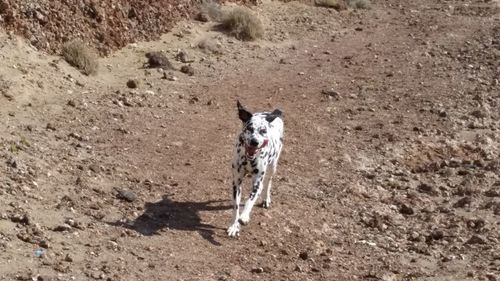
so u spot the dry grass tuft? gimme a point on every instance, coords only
(212, 10)
(343, 4)
(359, 4)
(79, 55)
(242, 23)
(335, 4)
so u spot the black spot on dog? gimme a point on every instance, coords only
(239, 181)
(244, 163)
(253, 163)
(255, 171)
(238, 150)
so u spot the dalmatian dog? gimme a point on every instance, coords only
(257, 149)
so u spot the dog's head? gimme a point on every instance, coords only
(255, 129)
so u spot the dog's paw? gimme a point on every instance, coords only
(234, 230)
(266, 204)
(244, 219)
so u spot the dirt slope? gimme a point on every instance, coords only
(392, 176)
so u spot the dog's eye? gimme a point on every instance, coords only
(263, 131)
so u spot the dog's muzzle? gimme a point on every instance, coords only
(251, 150)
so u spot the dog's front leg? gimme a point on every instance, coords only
(238, 174)
(257, 184)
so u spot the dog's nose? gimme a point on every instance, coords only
(254, 142)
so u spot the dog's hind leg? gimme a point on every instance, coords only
(266, 203)
(274, 164)
(238, 174)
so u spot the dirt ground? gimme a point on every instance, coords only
(390, 169)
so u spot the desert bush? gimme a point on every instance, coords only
(343, 4)
(79, 55)
(335, 4)
(242, 23)
(212, 10)
(359, 4)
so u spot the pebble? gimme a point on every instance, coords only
(126, 195)
(476, 239)
(187, 69)
(132, 84)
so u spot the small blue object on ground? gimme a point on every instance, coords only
(39, 252)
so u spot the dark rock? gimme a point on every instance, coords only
(51, 127)
(331, 93)
(72, 103)
(157, 60)
(476, 239)
(187, 69)
(406, 210)
(426, 188)
(201, 16)
(258, 270)
(304, 255)
(464, 201)
(132, 84)
(22, 219)
(126, 195)
(62, 227)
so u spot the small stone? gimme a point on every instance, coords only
(94, 168)
(51, 127)
(437, 234)
(426, 188)
(62, 227)
(44, 244)
(258, 270)
(463, 202)
(22, 219)
(476, 239)
(132, 84)
(157, 60)
(68, 258)
(304, 255)
(169, 76)
(201, 16)
(183, 57)
(406, 210)
(72, 103)
(331, 93)
(126, 195)
(479, 114)
(187, 69)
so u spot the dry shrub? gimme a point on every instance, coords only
(79, 55)
(335, 4)
(359, 4)
(242, 23)
(212, 10)
(343, 4)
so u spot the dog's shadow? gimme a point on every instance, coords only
(169, 214)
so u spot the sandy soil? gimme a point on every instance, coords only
(390, 169)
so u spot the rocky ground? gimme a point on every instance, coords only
(390, 169)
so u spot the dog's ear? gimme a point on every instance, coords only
(273, 115)
(244, 115)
